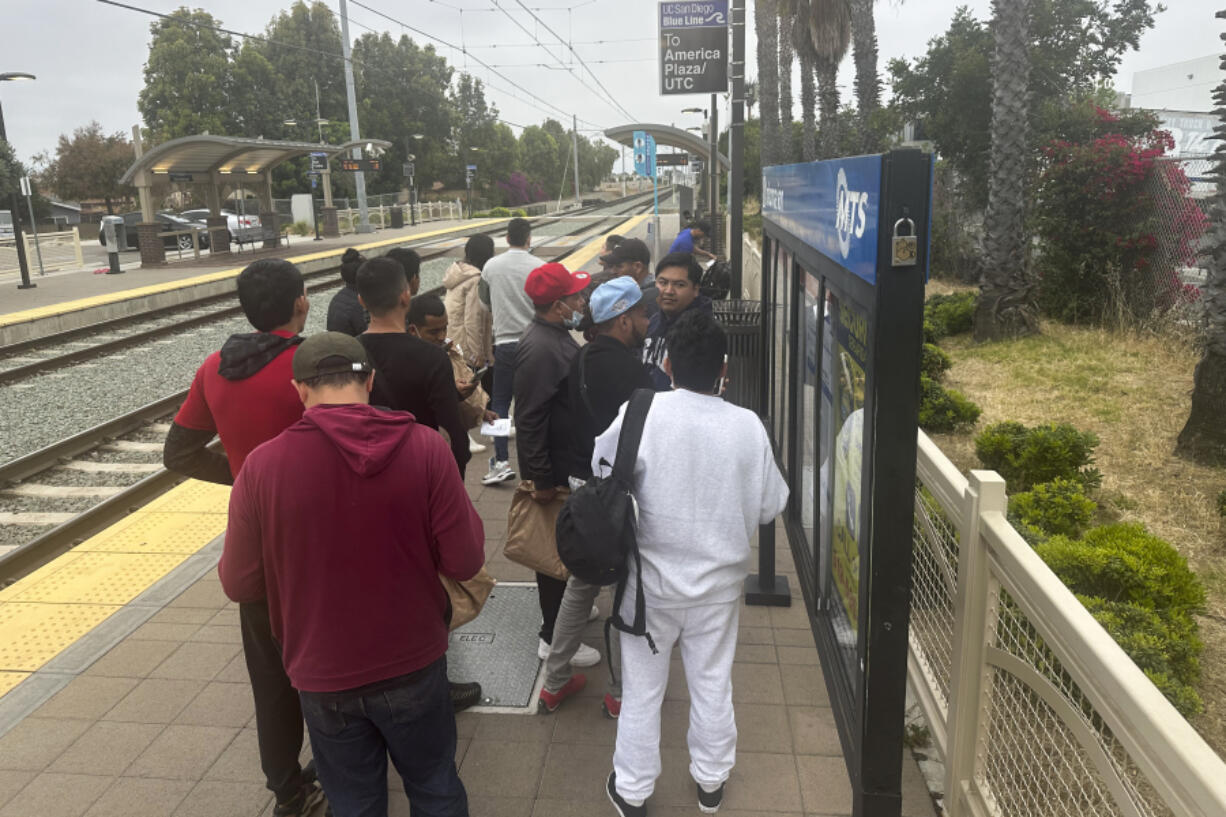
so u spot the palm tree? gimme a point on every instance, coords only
(821, 38)
(787, 57)
(751, 97)
(868, 84)
(765, 13)
(1203, 438)
(1007, 294)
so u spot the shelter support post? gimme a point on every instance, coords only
(736, 151)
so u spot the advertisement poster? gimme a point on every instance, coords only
(850, 361)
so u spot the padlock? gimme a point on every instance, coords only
(905, 248)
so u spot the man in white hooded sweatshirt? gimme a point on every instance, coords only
(705, 478)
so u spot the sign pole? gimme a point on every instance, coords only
(359, 178)
(736, 150)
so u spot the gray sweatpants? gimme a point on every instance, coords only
(577, 603)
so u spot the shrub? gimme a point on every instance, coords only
(1057, 508)
(1125, 562)
(946, 315)
(519, 212)
(1144, 594)
(1027, 457)
(934, 363)
(498, 212)
(301, 228)
(1221, 504)
(1167, 652)
(943, 410)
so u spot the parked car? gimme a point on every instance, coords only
(170, 223)
(6, 224)
(244, 227)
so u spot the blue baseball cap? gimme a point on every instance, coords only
(614, 298)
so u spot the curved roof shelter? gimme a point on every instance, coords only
(207, 155)
(668, 136)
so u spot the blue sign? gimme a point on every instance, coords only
(694, 14)
(644, 154)
(833, 206)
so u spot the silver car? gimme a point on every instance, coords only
(244, 227)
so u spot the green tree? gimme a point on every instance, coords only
(89, 164)
(304, 49)
(765, 17)
(187, 77)
(864, 51)
(1075, 47)
(1203, 437)
(538, 153)
(787, 145)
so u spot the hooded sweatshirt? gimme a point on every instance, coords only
(243, 393)
(655, 348)
(344, 522)
(469, 321)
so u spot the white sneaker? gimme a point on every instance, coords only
(500, 471)
(585, 656)
(595, 614)
(474, 447)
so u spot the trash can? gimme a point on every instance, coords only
(114, 229)
(397, 217)
(742, 321)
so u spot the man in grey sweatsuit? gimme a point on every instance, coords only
(704, 480)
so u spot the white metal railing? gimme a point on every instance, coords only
(59, 251)
(347, 219)
(1033, 706)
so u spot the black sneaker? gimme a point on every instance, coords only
(709, 801)
(464, 695)
(623, 808)
(301, 804)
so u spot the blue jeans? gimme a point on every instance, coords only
(504, 388)
(409, 718)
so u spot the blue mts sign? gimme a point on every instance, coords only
(832, 206)
(644, 154)
(694, 14)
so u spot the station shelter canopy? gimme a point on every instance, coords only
(668, 136)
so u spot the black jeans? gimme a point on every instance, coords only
(409, 718)
(549, 592)
(278, 714)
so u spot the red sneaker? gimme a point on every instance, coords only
(550, 701)
(612, 707)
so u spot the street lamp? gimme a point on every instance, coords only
(22, 262)
(410, 157)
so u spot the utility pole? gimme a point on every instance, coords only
(713, 171)
(623, 171)
(736, 149)
(574, 134)
(23, 263)
(359, 177)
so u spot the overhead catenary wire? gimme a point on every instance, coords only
(461, 49)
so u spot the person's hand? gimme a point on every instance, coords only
(490, 416)
(466, 388)
(544, 495)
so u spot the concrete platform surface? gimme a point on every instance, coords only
(161, 723)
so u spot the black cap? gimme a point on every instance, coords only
(329, 353)
(632, 249)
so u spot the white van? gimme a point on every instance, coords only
(6, 224)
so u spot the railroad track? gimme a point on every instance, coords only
(55, 498)
(29, 358)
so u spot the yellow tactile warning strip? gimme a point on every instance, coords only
(154, 289)
(50, 609)
(578, 258)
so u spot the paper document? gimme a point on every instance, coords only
(498, 428)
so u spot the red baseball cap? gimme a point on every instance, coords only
(550, 282)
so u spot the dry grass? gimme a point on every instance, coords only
(1133, 391)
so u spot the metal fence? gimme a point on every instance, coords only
(1034, 708)
(381, 216)
(59, 251)
(1180, 188)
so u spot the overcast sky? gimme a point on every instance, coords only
(89, 56)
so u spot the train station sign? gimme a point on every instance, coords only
(319, 162)
(361, 165)
(693, 47)
(673, 160)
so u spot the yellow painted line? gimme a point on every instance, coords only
(578, 258)
(49, 610)
(208, 278)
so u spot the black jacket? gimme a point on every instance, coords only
(544, 440)
(345, 313)
(612, 372)
(657, 333)
(415, 376)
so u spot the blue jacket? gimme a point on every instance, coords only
(684, 242)
(655, 349)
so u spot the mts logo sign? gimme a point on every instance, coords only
(851, 213)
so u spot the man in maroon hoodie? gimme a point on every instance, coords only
(343, 522)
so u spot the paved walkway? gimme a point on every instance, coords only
(162, 725)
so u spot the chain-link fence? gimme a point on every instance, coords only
(1033, 708)
(1180, 190)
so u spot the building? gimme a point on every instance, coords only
(1180, 86)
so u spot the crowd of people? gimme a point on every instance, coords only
(347, 452)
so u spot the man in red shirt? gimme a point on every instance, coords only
(345, 521)
(244, 394)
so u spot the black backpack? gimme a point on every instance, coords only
(716, 281)
(595, 531)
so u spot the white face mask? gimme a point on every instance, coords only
(572, 322)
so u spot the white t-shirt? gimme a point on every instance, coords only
(512, 309)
